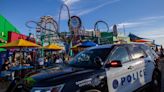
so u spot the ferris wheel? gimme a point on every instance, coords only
(47, 29)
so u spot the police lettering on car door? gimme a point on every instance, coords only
(128, 79)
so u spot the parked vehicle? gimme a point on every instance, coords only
(105, 68)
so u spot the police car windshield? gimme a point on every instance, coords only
(86, 58)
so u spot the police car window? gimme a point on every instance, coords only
(138, 53)
(86, 58)
(120, 54)
(147, 50)
(153, 52)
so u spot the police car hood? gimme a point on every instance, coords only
(58, 72)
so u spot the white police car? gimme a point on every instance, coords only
(105, 68)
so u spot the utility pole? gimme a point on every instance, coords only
(124, 29)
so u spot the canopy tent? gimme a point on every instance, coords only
(53, 47)
(134, 37)
(20, 44)
(87, 44)
(76, 46)
(141, 40)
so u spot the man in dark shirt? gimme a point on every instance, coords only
(4, 71)
(6, 65)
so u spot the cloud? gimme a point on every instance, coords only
(83, 12)
(89, 29)
(145, 23)
(156, 34)
(70, 2)
(64, 12)
(128, 25)
(153, 33)
(153, 18)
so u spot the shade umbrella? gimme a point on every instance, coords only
(75, 47)
(21, 43)
(53, 47)
(87, 44)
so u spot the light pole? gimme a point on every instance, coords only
(124, 29)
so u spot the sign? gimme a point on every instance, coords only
(12, 36)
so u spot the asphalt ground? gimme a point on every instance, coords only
(161, 67)
(3, 85)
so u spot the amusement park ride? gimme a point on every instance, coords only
(48, 30)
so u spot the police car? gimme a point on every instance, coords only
(105, 68)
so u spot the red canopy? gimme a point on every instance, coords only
(141, 40)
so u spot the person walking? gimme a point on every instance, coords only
(161, 51)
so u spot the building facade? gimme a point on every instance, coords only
(5, 28)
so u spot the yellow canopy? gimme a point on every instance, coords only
(53, 47)
(19, 44)
(75, 47)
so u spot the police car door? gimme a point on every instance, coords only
(122, 79)
(138, 66)
(149, 61)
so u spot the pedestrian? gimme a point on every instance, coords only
(161, 51)
(59, 60)
(45, 61)
(156, 48)
(14, 62)
(41, 62)
(5, 70)
(6, 65)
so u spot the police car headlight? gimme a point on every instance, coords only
(48, 89)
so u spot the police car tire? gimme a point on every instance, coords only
(13, 85)
(156, 82)
(92, 90)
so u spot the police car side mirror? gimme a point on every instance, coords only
(114, 63)
(98, 61)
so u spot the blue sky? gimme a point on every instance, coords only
(144, 18)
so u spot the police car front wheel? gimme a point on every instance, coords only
(156, 82)
(93, 90)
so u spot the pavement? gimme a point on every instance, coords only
(5, 84)
(161, 67)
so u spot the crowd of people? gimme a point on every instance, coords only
(50, 60)
(159, 50)
(28, 60)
